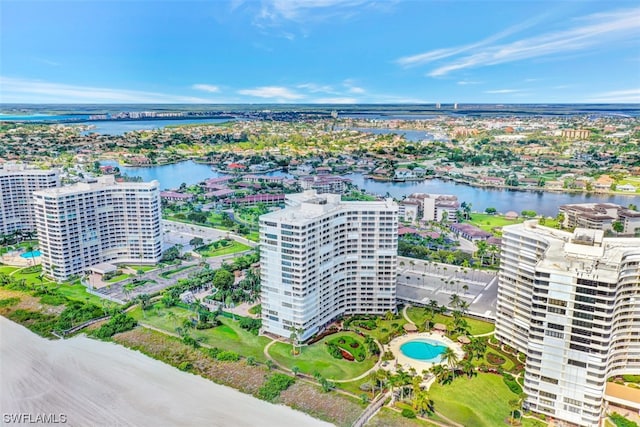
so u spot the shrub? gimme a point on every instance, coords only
(251, 325)
(631, 378)
(190, 341)
(334, 351)
(213, 352)
(228, 356)
(408, 413)
(274, 385)
(8, 302)
(118, 323)
(621, 421)
(495, 359)
(510, 381)
(350, 348)
(185, 366)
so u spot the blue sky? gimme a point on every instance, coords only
(319, 51)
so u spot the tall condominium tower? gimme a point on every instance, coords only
(91, 223)
(17, 184)
(571, 303)
(322, 258)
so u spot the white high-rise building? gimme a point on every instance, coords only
(571, 303)
(17, 184)
(90, 223)
(322, 258)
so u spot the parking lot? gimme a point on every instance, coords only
(420, 281)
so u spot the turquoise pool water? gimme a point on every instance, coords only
(31, 254)
(424, 349)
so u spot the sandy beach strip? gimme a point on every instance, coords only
(94, 383)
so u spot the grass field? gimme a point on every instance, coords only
(77, 292)
(316, 358)
(476, 327)
(170, 273)
(118, 278)
(232, 248)
(481, 401)
(228, 336)
(489, 222)
(6, 269)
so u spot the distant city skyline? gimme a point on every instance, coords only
(319, 51)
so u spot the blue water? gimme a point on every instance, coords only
(423, 349)
(189, 172)
(31, 254)
(39, 117)
(544, 203)
(410, 135)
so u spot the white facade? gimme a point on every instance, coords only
(322, 258)
(17, 184)
(87, 224)
(571, 303)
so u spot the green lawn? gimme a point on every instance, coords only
(231, 248)
(144, 268)
(170, 273)
(488, 222)
(118, 278)
(77, 292)
(384, 328)
(480, 401)
(476, 327)
(30, 278)
(6, 269)
(228, 336)
(316, 358)
(530, 422)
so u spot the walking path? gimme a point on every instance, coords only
(405, 315)
(371, 410)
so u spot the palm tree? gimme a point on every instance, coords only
(422, 402)
(294, 340)
(467, 367)
(295, 370)
(454, 301)
(450, 358)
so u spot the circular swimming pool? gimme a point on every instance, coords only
(424, 349)
(31, 254)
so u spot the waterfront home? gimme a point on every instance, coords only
(603, 183)
(626, 187)
(325, 183)
(491, 181)
(554, 185)
(402, 174)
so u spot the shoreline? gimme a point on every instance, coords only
(94, 382)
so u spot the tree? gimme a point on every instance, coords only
(223, 279)
(294, 340)
(491, 211)
(295, 370)
(196, 242)
(422, 403)
(617, 226)
(529, 213)
(450, 358)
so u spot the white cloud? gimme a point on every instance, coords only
(587, 32)
(434, 55)
(304, 10)
(468, 82)
(206, 87)
(19, 90)
(315, 88)
(273, 92)
(617, 96)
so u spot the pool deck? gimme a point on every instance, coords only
(418, 365)
(14, 259)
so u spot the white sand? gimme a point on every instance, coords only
(95, 383)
